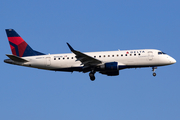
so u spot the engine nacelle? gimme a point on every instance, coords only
(110, 73)
(110, 69)
(110, 66)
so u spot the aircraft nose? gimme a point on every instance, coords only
(172, 60)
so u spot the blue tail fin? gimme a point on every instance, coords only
(18, 46)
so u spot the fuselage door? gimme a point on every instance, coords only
(48, 61)
(150, 55)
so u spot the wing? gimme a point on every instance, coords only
(86, 60)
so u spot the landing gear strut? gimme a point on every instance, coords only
(153, 69)
(91, 75)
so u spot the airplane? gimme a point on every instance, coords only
(108, 62)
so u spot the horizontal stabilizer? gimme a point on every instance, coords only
(16, 58)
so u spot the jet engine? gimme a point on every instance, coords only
(110, 69)
(110, 66)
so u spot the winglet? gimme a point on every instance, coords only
(70, 47)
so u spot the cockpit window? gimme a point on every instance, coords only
(159, 53)
(163, 53)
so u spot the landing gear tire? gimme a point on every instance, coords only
(92, 77)
(153, 69)
(154, 74)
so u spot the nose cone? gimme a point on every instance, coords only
(172, 60)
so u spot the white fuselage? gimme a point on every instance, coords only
(108, 62)
(125, 58)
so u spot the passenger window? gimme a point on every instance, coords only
(112, 55)
(67, 57)
(117, 55)
(59, 58)
(54, 58)
(72, 58)
(121, 54)
(130, 54)
(99, 56)
(104, 56)
(139, 54)
(94, 56)
(108, 55)
(134, 54)
(63, 58)
(126, 55)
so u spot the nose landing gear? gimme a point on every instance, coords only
(153, 69)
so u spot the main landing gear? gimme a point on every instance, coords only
(153, 69)
(91, 75)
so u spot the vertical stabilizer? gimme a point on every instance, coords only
(18, 46)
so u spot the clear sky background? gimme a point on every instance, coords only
(91, 25)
